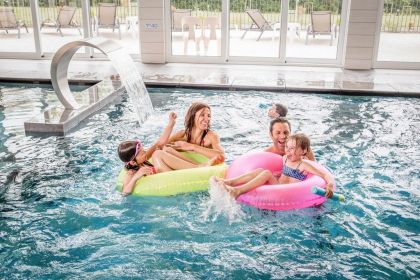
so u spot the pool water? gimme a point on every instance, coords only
(60, 216)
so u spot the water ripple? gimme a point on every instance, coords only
(60, 216)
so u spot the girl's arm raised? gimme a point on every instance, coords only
(164, 137)
(308, 167)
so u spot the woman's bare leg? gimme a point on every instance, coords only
(261, 179)
(159, 163)
(174, 152)
(212, 161)
(164, 161)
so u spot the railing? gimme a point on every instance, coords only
(49, 9)
(399, 15)
(299, 10)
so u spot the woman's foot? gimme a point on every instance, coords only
(218, 180)
(234, 192)
(213, 161)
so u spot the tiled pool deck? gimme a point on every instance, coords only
(232, 77)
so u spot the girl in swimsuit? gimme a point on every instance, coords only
(135, 157)
(295, 169)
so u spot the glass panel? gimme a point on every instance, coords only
(116, 20)
(313, 28)
(16, 34)
(196, 27)
(400, 31)
(61, 23)
(254, 28)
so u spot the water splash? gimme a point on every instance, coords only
(133, 83)
(221, 203)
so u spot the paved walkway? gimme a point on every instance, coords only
(232, 77)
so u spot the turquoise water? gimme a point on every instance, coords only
(60, 216)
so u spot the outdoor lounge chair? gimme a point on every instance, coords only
(177, 15)
(8, 21)
(64, 20)
(320, 25)
(259, 23)
(107, 17)
(211, 23)
(190, 23)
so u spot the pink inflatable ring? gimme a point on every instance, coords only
(276, 197)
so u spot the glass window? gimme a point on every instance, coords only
(16, 33)
(400, 31)
(116, 20)
(196, 27)
(60, 22)
(313, 28)
(254, 28)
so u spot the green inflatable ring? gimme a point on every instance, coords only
(176, 182)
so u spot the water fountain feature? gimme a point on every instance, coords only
(77, 107)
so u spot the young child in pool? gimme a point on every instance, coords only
(295, 169)
(135, 157)
(277, 110)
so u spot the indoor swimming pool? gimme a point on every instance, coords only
(61, 216)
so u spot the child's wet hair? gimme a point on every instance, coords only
(301, 141)
(281, 109)
(127, 150)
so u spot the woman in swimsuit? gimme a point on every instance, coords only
(196, 137)
(135, 157)
(295, 169)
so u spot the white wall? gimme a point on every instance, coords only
(152, 35)
(359, 50)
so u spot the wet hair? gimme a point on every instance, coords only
(190, 118)
(126, 150)
(281, 109)
(279, 120)
(301, 141)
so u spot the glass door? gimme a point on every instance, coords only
(61, 22)
(261, 31)
(399, 41)
(16, 28)
(195, 30)
(315, 31)
(254, 28)
(116, 20)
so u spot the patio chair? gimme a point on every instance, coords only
(211, 23)
(8, 21)
(107, 17)
(192, 23)
(64, 20)
(259, 23)
(177, 15)
(320, 25)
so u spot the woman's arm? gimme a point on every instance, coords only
(131, 179)
(215, 150)
(216, 147)
(307, 167)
